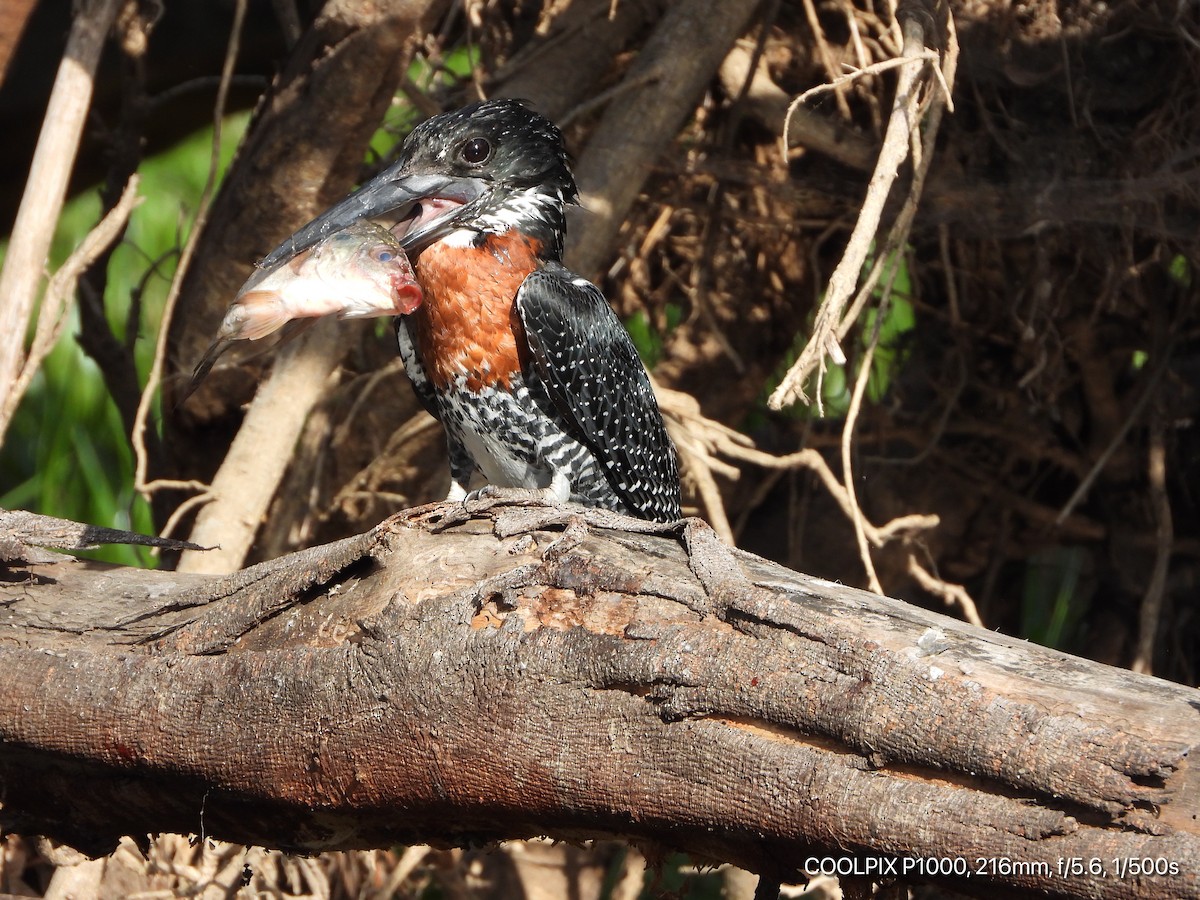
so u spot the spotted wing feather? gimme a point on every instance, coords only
(600, 388)
(413, 368)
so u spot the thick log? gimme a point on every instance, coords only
(432, 681)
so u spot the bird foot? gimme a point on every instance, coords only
(522, 519)
(714, 564)
(437, 516)
(455, 511)
(528, 510)
(490, 496)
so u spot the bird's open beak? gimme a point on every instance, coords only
(419, 208)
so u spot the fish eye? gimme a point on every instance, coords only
(384, 255)
(476, 151)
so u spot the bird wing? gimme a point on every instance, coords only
(413, 368)
(598, 384)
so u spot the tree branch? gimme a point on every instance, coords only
(661, 90)
(435, 682)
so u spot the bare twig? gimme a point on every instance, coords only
(46, 187)
(1152, 600)
(700, 466)
(810, 12)
(855, 74)
(52, 315)
(602, 99)
(902, 123)
(832, 323)
(1118, 440)
(367, 480)
(847, 437)
(948, 275)
(769, 104)
(847, 447)
(184, 508)
(138, 436)
(952, 594)
(708, 438)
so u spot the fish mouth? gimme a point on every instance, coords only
(420, 208)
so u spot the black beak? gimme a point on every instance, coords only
(394, 195)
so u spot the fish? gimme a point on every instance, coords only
(360, 272)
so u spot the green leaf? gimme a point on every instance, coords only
(66, 453)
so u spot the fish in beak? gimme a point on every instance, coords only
(420, 208)
(357, 272)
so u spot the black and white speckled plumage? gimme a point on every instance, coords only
(582, 410)
(514, 437)
(596, 381)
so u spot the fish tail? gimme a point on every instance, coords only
(202, 369)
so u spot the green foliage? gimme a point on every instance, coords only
(453, 69)
(66, 453)
(890, 354)
(646, 338)
(1053, 604)
(1180, 271)
(897, 321)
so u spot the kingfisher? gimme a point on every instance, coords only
(534, 378)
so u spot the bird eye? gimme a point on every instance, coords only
(476, 151)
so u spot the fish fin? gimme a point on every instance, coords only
(292, 330)
(254, 315)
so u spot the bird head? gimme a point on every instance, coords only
(484, 168)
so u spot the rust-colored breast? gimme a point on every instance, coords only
(467, 325)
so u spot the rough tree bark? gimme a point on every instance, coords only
(447, 678)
